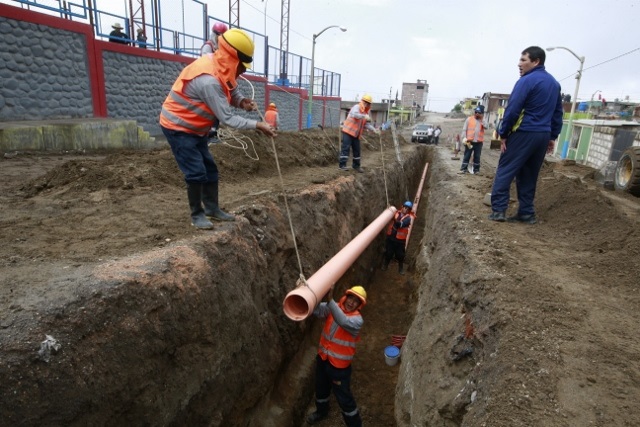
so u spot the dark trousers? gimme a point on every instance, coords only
(193, 156)
(476, 150)
(330, 378)
(522, 160)
(349, 142)
(394, 247)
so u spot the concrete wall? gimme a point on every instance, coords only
(44, 72)
(54, 68)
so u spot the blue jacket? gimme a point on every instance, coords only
(535, 105)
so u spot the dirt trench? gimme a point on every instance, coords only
(148, 322)
(506, 324)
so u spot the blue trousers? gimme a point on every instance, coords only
(193, 156)
(349, 142)
(476, 150)
(522, 160)
(330, 378)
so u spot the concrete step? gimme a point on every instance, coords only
(74, 134)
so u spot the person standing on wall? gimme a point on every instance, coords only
(357, 120)
(397, 236)
(205, 90)
(210, 46)
(141, 39)
(117, 35)
(531, 123)
(272, 117)
(338, 340)
(473, 137)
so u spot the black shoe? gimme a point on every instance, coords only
(463, 172)
(526, 219)
(359, 170)
(497, 216)
(316, 417)
(343, 168)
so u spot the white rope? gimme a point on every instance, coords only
(284, 194)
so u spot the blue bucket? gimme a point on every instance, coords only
(391, 355)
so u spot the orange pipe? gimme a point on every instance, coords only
(416, 201)
(300, 302)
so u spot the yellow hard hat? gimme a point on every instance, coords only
(242, 43)
(367, 98)
(359, 292)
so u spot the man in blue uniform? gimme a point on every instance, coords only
(531, 124)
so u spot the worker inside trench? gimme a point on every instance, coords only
(387, 316)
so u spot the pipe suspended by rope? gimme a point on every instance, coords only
(416, 201)
(300, 302)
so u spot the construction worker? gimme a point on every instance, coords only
(204, 91)
(397, 236)
(272, 117)
(211, 45)
(357, 120)
(338, 340)
(473, 137)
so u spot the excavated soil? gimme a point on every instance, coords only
(156, 323)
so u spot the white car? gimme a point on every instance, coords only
(422, 132)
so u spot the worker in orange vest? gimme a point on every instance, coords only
(272, 117)
(397, 236)
(473, 137)
(205, 90)
(357, 120)
(340, 334)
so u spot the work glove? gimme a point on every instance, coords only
(367, 117)
(468, 143)
(377, 131)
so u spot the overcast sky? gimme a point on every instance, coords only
(462, 48)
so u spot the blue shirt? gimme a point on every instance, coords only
(535, 105)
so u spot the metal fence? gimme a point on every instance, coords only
(165, 27)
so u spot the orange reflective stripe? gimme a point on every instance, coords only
(401, 233)
(179, 112)
(471, 130)
(353, 126)
(270, 117)
(336, 344)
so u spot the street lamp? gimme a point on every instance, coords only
(313, 53)
(569, 134)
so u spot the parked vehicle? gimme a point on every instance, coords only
(422, 134)
(627, 175)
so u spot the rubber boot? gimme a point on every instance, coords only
(198, 218)
(210, 200)
(385, 264)
(401, 267)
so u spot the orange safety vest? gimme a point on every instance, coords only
(185, 114)
(402, 233)
(270, 116)
(336, 344)
(471, 130)
(353, 126)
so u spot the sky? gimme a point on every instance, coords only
(461, 48)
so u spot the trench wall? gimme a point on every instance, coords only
(53, 68)
(442, 358)
(193, 334)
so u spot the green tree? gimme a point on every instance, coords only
(457, 108)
